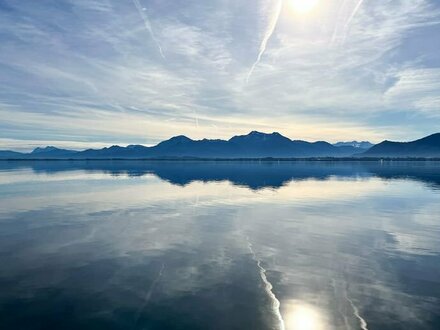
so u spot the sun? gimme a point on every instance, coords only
(303, 6)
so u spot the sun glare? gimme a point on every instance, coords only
(303, 6)
(303, 317)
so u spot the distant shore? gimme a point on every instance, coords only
(266, 159)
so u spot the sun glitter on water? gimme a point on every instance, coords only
(301, 316)
(303, 6)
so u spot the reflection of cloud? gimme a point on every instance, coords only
(308, 190)
(420, 235)
(352, 235)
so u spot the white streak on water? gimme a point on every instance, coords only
(153, 285)
(336, 293)
(268, 288)
(270, 29)
(147, 24)
(363, 324)
(149, 293)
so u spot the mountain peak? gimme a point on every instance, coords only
(135, 146)
(355, 144)
(179, 139)
(255, 135)
(175, 140)
(44, 149)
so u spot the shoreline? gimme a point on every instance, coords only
(266, 159)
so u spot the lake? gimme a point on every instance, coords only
(219, 245)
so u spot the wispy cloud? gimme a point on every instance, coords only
(416, 88)
(84, 70)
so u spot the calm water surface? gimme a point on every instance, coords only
(137, 245)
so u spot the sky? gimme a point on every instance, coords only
(92, 73)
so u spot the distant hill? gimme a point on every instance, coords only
(51, 152)
(426, 147)
(10, 154)
(253, 145)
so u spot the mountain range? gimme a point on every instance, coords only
(426, 147)
(252, 145)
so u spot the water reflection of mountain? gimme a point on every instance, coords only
(252, 174)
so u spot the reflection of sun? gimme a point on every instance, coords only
(303, 317)
(303, 6)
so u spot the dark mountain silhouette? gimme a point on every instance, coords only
(52, 152)
(257, 145)
(252, 145)
(426, 147)
(10, 154)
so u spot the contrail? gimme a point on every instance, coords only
(335, 32)
(147, 24)
(270, 29)
(196, 118)
(350, 19)
(268, 287)
(353, 14)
